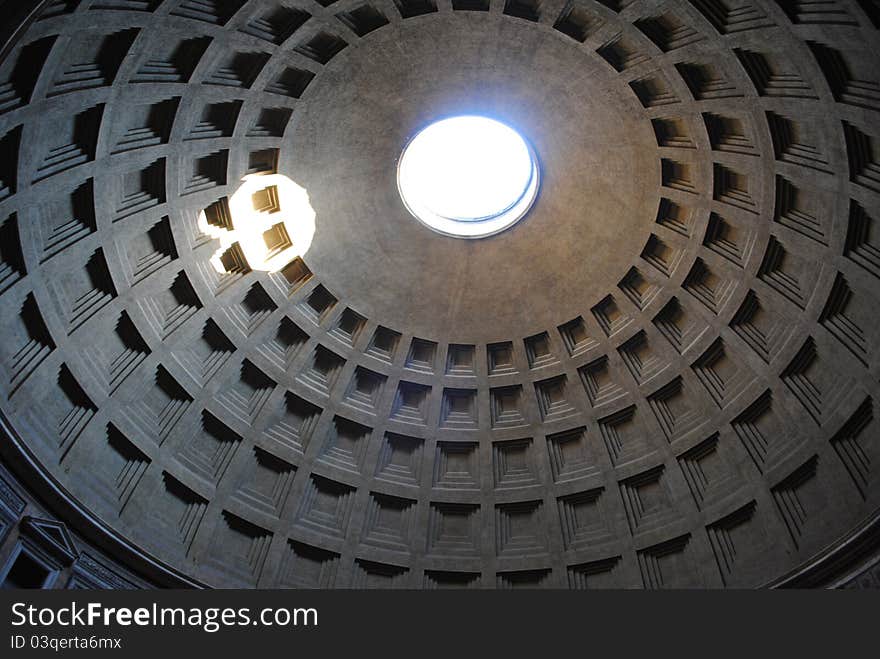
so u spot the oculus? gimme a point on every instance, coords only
(468, 176)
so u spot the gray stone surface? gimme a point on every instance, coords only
(663, 376)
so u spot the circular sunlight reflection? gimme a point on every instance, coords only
(468, 176)
(270, 222)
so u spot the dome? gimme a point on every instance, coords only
(239, 353)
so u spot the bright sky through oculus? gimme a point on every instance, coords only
(468, 176)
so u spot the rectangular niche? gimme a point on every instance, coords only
(169, 308)
(92, 60)
(216, 120)
(252, 310)
(798, 142)
(81, 293)
(624, 437)
(679, 325)
(583, 519)
(728, 239)
(710, 472)
(263, 161)
(277, 25)
(421, 356)
(460, 359)
(675, 217)
(458, 409)
(411, 403)
(206, 172)
(292, 277)
(27, 342)
(206, 354)
(318, 305)
(524, 579)
(66, 221)
(400, 459)
(852, 444)
(513, 464)
(365, 390)
(733, 188)
(379, 576)
(526, 9)
(210, 449)
(660, 255)
(723, 376)
(240, 547)
(668, 565)
(707, 80)
(439, 579)
(284, 345)
(140, 190)
(576, 338)
(175, 63)
(21, 72)
(180, 510)
(773, 75)
(292, 428)
(383, 345)
(574, 21)
(349, 327)
(144, 253)
(323, 371)
(456, 466)
(120, 469)
(326, 507)
(539, 350)
(266, 482)
(594, 575)
(322, 47)
(764, 430)
(410, 8)
(215, 13)
(292, 82)
(500, 358)
(389, 522)
(65, 412)
(245, 394)
(676, 407)
(454, 529)
(638, 288)
(519, 529)
(159, 406)
(305, 566)
(599, 382)
(647, 500)
(654, 91)
(642, 358)
(555, 398)
(346, 445)
(363, 19)
(74, 144)
(147, 125)
(506, 407)
(797, 497)
(271, 122)
(572, 455)
(610, 316)
(240, 69)
(118, 355)
(668, 31)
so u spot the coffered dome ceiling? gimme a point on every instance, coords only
(662, 376)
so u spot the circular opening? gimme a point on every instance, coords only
(468, 176)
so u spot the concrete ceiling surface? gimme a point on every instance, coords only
(663, 376)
